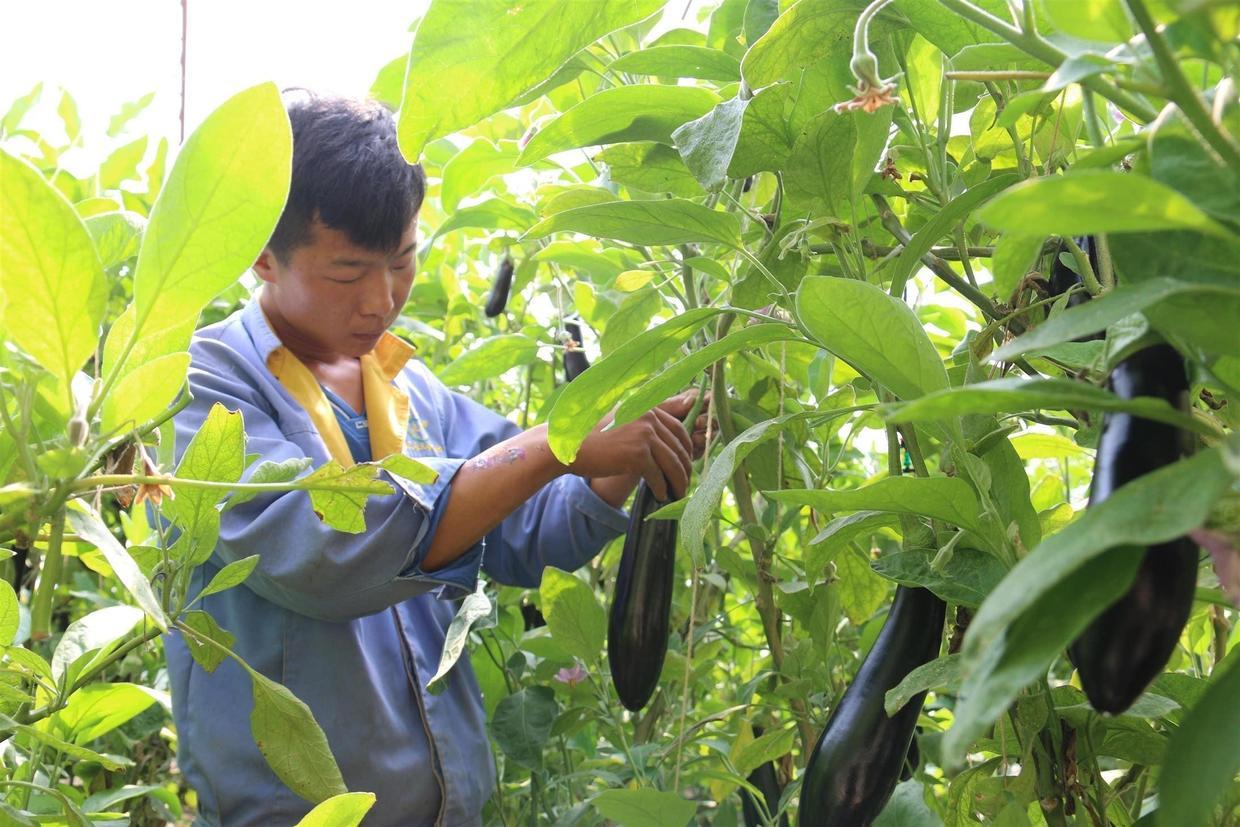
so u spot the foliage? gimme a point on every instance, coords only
(846, 230)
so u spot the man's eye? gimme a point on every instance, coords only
(346, 281)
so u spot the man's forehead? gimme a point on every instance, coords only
(331, 241)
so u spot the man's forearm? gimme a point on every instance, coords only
(487, 489)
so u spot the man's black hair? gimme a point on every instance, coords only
(348, 172)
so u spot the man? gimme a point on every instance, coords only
(354, 624)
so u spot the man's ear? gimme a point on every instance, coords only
(265, 265)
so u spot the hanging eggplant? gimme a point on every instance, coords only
(575, 361)
(642, 605)
(498, 299)
(1128, 645)
(858, 758)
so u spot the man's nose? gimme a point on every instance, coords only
(378, 298)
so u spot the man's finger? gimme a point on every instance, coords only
(674, 427)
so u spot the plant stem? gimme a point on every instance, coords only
(1033, 44)
(1180, 91)
(49, 577)
(113, 480)
(1082, 263)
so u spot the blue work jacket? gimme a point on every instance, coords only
(349, 622)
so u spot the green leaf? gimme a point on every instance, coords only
(95, 634)
(680, 61)
(522, 724)
(127, 113)
(145, 349)
(471, 168)
(940, 673)
(1014, 257)
(707, 144)
(1152, 509)
(122, 164)
(459, 74)
(98, 708)
(89, 526)
(1084, 203)
(269, 472)
(1020, 394)
(10, 614)
(944, 27)
(646, 112)
(807, 32)
(861, 591)
(766, 137)
(117, 236)
(215, 454)
(675, 378)
(674, 221)
(208, 656)
(769, 746)
(587, 399)
(820, 162)
(493, 214)
(1095, 315)
(966, 578)
(52, 288)
(292, 742)
(108, 799)
(408, 468)
(473, 608)
(875, 333)
(577, 621)
(1048, 622)
(907, 808)
(644, 808)
(338, 495)
(649, 167)
(840, 532)
(1100, 20)
(144, 392)
(78, 753)
(490, 358)
(233, 574)
(344, 810)
(217, 209)
(1202, 757)
(942, 498)
(632, 318)
(940, 225)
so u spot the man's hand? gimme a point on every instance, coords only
(655, 447)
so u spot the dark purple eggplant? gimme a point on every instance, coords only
(642, 605)
(857, 761)
(575, 361)
(498, 299)
(1064, 278)
(1128, 645)
(765, 779)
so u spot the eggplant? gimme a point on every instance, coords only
(642, 605)
(1064, 278)
(765, 779)
(1127, 646)
(858, 758)
(575, 361)
(498, 299)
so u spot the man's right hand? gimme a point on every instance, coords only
(655, 446)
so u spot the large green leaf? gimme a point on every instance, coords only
(766, 136)
(944, 498)
(966, 578)
(820, 162)
(88, 525)
(52, 287)
(707, 144)
(803, 35)
(680, 61)
(490, 358)
(215, 454)
(644, 808)
(646, 112)
(145, 391)
(940, 225)
(339, 494)
(649, 167)
(875, 333)
(589, 397)
(215, 213)
(95, 633)
(343, 810)
(522, 724)
(1203, 756)
(98, 708)
(1020, 394)
(471, 58)
(674, 221)
(292, 742)
(576, 619)
(1152, 509)
(1094, 201)
(1095, 315)
(675, 378)
(472, 167)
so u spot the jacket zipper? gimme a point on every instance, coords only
(411, 672)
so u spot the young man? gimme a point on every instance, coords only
(354, 624)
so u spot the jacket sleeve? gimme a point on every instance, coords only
(565, 524)
(305, 565)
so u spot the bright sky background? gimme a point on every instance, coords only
(108, 52)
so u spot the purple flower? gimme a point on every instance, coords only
(572, 676)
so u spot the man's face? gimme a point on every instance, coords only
(333, 298)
